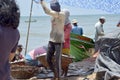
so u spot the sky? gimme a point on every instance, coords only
(37, 10)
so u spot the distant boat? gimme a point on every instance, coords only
(31, 21)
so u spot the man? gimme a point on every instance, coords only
(9, 35)
(56, 36)
(98, 33)
(99, 28)
(114, 34)
(76, 29)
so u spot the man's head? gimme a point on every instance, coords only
(9, 13)
(74, 22)
(19, 48)
(55, 6)
(102, 19)
(118, 24)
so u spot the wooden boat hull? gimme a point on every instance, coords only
(66, 60)
(79, 46)
(19, 70)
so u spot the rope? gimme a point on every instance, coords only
(28, 27)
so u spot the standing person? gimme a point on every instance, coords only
(114, 34)
(76, 29)
(9, 35)
(98, 33)
(107, 64)
(67, 30)
(99, 28)
(56, 36)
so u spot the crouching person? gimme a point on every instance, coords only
(18, 54)
(31, 57)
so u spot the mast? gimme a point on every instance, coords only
(28, 27)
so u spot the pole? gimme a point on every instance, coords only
(28, 27)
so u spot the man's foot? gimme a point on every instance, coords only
(43, 70)
(33, 78)
(55, 79)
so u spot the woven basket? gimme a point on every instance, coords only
(65, 60)
(19, 62)
(23, 72)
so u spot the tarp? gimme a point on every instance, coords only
(108, 61)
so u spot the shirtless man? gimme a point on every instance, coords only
(56, 36)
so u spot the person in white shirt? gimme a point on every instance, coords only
(99, 28)
(56, 36)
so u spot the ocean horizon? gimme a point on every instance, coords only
(40, 28)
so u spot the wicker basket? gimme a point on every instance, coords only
(23, 72)
(66, 60)
(19, 62)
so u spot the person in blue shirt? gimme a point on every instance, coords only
(76, 29)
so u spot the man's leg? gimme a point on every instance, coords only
(50, 54)
(58, 49)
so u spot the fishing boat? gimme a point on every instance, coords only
(79, 46)
(31, 21)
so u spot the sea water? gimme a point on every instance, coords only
(37, 34)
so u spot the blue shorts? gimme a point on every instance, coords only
(32, 62)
